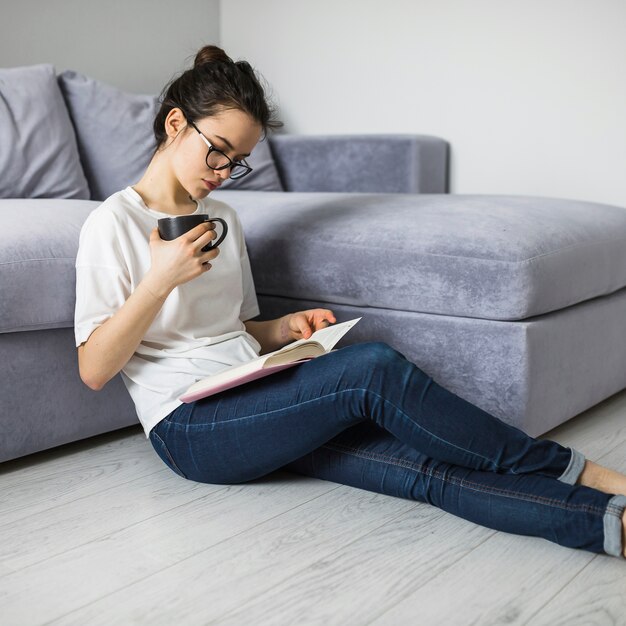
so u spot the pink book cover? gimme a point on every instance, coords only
(204, 393)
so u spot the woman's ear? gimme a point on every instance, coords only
(175, 122)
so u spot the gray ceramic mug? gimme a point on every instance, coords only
(173, 227)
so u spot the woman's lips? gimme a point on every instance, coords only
(210, 185)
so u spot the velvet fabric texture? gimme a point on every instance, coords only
(44, 401)
(37, 257)
(491, 257)
(38, 153)
(362, 163)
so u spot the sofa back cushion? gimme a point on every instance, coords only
(38, 153)
(114, 131)
(116, 139)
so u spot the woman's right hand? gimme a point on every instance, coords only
(180, 260)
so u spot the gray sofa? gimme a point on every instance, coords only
(516, 303)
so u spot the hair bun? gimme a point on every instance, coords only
(209, 54)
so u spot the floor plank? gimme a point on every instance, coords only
(91, 518)
(350, 585)
(596, 595)
(251, 564)
(504, 598)
(101, 566)
(40, 481)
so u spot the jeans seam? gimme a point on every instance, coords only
(253, 415)
(463, 482)
(214, 425)
(169, 454)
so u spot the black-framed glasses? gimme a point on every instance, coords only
(217, 160)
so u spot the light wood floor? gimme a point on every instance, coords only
(102, 532)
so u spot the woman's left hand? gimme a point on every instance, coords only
(304, 323)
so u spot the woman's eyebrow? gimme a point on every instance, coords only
(230, 145)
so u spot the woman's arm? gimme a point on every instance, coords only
(274, 334)
(110, 346)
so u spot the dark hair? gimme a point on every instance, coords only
(215, 82)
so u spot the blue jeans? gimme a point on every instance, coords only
(365, 416)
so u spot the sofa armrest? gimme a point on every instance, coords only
(361, 163)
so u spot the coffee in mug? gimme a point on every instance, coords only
(173, 227)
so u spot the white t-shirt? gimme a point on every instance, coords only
(199, 330)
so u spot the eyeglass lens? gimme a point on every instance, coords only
(217, 160)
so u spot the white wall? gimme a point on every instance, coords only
(136, 45)
(531, 94)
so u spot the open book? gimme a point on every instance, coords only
(320, 342)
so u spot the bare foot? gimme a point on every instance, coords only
(602, 479)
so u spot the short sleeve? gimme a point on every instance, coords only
(102, 279)
(250, 304)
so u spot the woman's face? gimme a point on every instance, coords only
(231, 131)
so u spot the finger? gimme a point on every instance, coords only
(209, 255)
(205, 238)
(324, 317)
(154, 234)
(319, 321)
(330, 316)
(303, 325)
(198, 231)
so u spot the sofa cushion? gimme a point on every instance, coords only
(37, 256)
(492, 257)
(114, 131)
(116, 138)
(38, 152)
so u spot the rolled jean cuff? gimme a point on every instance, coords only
(574, 469)
(613, 526)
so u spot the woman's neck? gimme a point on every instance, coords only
(161, 191)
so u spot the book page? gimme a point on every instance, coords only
(328, 337)
(320, 342)
(324, 340)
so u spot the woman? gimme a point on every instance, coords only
(166, 313)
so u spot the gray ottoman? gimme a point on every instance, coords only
(514, 303)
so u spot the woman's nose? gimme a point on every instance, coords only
(223, 174)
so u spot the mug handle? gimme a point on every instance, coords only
(210, 246)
